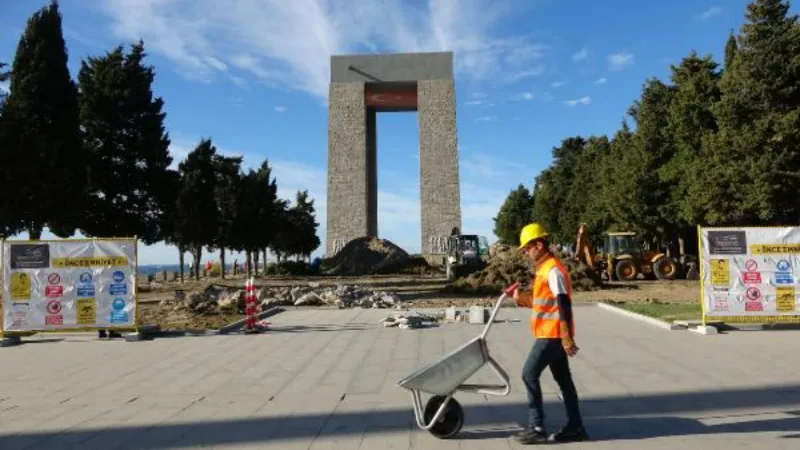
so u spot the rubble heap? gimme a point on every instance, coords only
(368, 256)
(507, 266)
(215, 298)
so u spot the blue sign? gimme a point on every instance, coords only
(118, 276)
(86, 290)
(784, 278)
(784, 265)
(118, 289)
(86, 277)
(118, 304)
(119, 317)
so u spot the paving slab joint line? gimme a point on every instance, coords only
(641, 317)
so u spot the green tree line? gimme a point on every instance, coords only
(92, 156)
(714, 146)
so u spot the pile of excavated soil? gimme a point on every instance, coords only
(368, 256)
(507, 266)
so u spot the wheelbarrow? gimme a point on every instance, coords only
(443, 416)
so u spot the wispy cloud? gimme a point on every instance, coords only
(558, 84)
(579, 101)
(713, 11)
(239, 81)
(580, 55)
(621, 60)
(486, 119)
(270, 39)
(280, 109)
(601, 80)
(527, 96)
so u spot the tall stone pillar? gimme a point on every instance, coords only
(440, 199)
(348, 166)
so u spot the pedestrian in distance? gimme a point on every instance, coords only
(553, 328)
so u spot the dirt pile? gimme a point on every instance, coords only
(507, 266)
(369, 256)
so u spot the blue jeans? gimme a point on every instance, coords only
(549, 352)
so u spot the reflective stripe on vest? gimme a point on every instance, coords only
(545, 321)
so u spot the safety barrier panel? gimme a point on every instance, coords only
(750, 274)
(69, 284)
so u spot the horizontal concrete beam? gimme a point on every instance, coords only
(396, 67)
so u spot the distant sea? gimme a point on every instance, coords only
(170, 268)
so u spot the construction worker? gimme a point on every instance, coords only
(553, 328)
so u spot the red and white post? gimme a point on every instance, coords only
(250, 308)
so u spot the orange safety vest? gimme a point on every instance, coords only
(545, 322)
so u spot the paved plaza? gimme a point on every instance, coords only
(326, 379)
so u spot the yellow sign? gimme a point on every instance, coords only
(86, 311)
(720, 272)
(20, 286)
(97, 261)
(774, 249)
(785, 299)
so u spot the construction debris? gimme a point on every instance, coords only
(370, 256)
(507, 266)
(410, 321)
(216, 298)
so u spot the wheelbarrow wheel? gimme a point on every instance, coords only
(451, 420)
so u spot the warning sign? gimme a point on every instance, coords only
(757, 267)
(785, 297)
(20, 286)
(86, 312)
(720, 272)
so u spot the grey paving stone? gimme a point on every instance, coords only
(328, 380)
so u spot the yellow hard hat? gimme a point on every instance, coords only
(531, 232)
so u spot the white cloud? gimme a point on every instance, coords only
(579, 101)
(527, 96)
(5, 87)
(558, 84)
(239, 81)
(621, 60)
(709, 13)
(476, 102)
(601, 80)
(580, 55)
(280, 109)
(289, 43)
(486, 119)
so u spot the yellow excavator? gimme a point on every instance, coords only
(623, 258)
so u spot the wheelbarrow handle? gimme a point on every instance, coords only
(507, 292)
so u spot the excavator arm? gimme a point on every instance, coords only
(583, 248)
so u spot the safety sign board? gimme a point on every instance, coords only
(756, 268)
(69, 284)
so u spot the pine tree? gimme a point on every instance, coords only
(196, 216)
(226, 195)
(514, 214)
(123, 128)
(42, 154)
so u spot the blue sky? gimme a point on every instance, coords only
(253, 76)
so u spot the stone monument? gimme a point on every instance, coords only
(361, 86)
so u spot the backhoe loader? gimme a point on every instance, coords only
(623, 259)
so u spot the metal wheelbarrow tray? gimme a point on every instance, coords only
(443, 416)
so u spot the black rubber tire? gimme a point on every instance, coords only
(451, 421)
(626, 270)
(665, 269)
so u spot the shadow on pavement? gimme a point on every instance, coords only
(606, 418)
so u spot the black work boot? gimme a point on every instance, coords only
(571, 434)
(531, 435)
